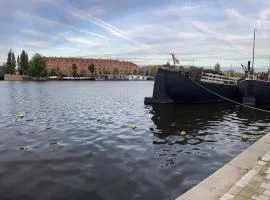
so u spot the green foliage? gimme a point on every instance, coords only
(217, 67)
(44, 73)
(3, 70)
(141, 71)
(135, 72)
(106, 72)
(115, 71)
(83, 73)
(74, 70)
(91, 68)
(24, 63)
(11, 62)
(37, 66)
(18, 61)
(59, 73)
(52, 72)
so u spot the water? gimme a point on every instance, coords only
(60, 151)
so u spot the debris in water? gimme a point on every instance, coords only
(133, 126)
(183, 133)
(21, 115)
(244, 137)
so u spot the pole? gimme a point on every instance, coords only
(253, 52)
(269, 69)
(173, 59)
(269, 64)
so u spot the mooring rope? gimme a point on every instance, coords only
(247, 106)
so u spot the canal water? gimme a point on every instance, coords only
(59, 150)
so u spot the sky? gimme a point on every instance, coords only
(202, 32)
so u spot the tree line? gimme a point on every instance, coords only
(35, 67)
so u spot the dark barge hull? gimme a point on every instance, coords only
(257, 90)
(174, 87)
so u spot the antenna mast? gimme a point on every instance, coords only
(269, 69)
(253, 52)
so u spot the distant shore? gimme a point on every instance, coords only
(9, 77)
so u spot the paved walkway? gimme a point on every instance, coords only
(254, 185)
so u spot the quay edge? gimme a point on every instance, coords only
(217, 184)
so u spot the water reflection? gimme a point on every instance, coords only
(202, 120)
(213, 137)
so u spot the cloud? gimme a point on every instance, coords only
(90, 16)
(141, 31)
(115, 31)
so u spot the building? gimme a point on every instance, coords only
(102, 66)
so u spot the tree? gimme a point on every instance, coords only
(37, 66)
(52, 72)
(44, 73)
(24, 63)
(18, 62)
(11, 62)
(135, 72)
(115, 71)
(3, 69)
(141, 71)
(104, 71)
(74, 70)
(83, 73)
(217, 67)
(91, 68)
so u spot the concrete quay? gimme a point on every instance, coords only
(245, 177)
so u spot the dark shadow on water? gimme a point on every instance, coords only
(212, 136)
(171, 119)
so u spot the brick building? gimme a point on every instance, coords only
(102, 66)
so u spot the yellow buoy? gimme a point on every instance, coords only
(133, 126)
(21, 115)
(183, 133)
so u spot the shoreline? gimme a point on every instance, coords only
(43, 80)
(217, 184)
(11, 77)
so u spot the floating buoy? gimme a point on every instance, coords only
(21, 115)
(151, 129)
(244, 137)
(98, 119)
(133, 126)
(183, 133)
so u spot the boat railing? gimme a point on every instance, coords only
(218, 79)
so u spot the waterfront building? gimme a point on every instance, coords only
(102, 66)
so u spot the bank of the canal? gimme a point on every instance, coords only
(244, 177)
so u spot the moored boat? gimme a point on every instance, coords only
(192, 85)
(253, 89)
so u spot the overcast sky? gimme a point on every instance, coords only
(142, 31)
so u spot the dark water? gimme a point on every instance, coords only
(60, 150)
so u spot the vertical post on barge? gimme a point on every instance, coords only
(173, 57)
(252, 69)
(269, 70)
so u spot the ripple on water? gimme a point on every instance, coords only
(61, 151)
